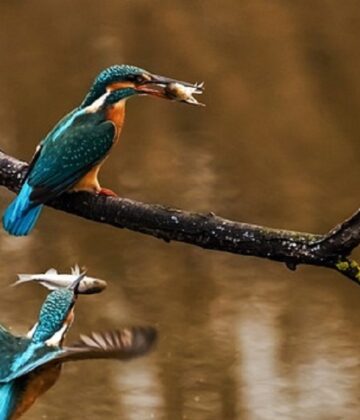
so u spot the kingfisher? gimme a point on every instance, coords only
(30, 365)
(70, 156)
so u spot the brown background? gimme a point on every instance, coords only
(278, 144)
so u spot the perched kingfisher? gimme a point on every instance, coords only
(70, 156)
(30, 365)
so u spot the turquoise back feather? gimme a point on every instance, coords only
(53, 313)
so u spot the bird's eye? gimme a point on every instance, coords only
(139, 79)
(136, 78)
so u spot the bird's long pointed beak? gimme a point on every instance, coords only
(162, 80)
(167, 88)
(76, 283)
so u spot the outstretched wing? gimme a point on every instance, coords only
(64, 160)
(121, 344)
(124, 344)
(11, 347)
(5, 336)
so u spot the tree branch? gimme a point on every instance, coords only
(207, 230)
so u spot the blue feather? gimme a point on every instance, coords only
(21, 215)
(8, 396)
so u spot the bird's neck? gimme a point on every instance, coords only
(116, 114)
(94, 92)
(113, 111)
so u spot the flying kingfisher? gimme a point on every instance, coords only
(70, 156)
(30, 365)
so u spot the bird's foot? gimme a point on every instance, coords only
(107, 192)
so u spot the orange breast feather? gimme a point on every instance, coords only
(90, 182)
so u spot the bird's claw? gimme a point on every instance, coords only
(107, 192)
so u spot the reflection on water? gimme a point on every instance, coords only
(277, 145)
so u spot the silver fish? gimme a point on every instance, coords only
(184, 92)
(53, 280)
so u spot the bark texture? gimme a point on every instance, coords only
(210, 231)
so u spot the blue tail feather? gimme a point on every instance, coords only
(21, 215)
(9, 395)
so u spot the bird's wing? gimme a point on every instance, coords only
(26, 360)
(5, 337)
(120, 344)
(9, 343)
(11, 347)
(124, 344)
(54, 133)
(33, 161)
(63, 161)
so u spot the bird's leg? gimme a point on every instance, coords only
(107, 192)
(91, 183)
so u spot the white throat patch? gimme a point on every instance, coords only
(31, 332)
(57, 337)
(97, 104)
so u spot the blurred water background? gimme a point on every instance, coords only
(278, 144)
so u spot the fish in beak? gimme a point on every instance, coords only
(164, 87)
(76, 284)
(53, 280)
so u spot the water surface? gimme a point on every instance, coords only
(277, 144)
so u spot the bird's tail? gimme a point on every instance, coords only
(21, 215)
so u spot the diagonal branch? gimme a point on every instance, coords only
(207, 230)
(344, 237)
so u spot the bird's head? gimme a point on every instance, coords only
(56, 315)
(123, 81)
